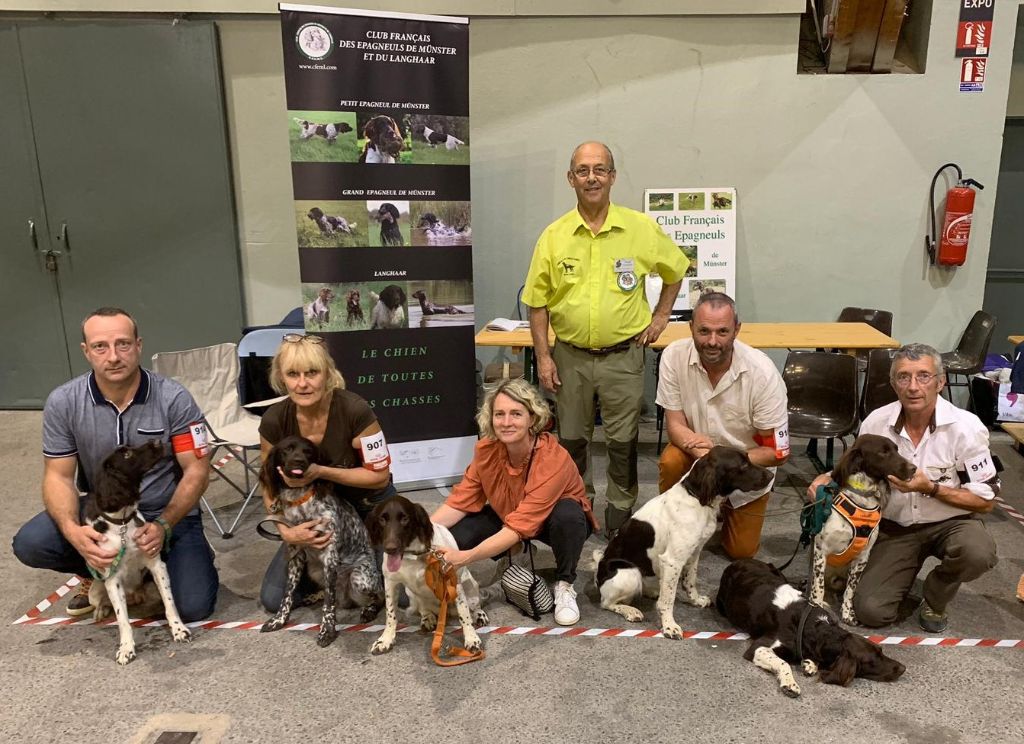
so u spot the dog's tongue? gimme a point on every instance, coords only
(296, 472)
(394, 561)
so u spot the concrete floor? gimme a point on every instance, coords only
(61, 683)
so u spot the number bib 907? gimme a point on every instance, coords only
(374, 450)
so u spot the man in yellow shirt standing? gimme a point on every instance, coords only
(586, 279)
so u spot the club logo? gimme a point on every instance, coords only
(314, 41)
(627, 281)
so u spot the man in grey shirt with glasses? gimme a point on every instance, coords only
(935, 513)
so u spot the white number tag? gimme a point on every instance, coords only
(374, 450)
(782, 442)
(980, 468)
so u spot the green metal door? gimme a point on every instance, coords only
(34, 356)
(132, 152)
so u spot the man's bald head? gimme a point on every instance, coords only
(610, 159)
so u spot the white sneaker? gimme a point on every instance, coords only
(566, 610)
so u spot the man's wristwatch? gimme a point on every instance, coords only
(934, 490)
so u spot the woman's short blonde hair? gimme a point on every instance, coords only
(521, 392)
(303, 356)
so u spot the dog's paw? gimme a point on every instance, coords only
(274, 623)
(849, 616)
(809, 667)
(370, 612)
(181, 634)
(700, 600)
(125, 655)
(102, 612)
(672, 631)
(790, 689)
(326, 635)
(480, 619)
(428, 622)
(633, 615)
(382, 645)
(473, 642)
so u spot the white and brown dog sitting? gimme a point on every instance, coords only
(860, 488)
(112, 509)
(663, 540)
(404, 532)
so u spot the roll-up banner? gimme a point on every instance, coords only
(378, 126)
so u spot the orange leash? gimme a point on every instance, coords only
(442, 581)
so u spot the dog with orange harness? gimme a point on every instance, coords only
(859, 488)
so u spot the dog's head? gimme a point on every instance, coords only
(393, 297)
(385, 135)
(875, 456)
(342, 127)
(293, 456)
(326, 294)
(120, 477)
(316, 214)
(722, 471)
(428, 219)
(396, 524)
(353, 298)
(856, 656)
(419, 294)
(387, 212)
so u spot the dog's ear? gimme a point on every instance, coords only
(374, 524)
(423, 528)
(702, 480)
(268, 474)
(844, 669)
(850, 463)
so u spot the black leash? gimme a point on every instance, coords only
(800, 632)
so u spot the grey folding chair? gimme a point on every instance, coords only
(210, 374)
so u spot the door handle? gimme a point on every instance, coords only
(32, 235)
(64, 237)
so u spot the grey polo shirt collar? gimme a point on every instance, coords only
(141, 395)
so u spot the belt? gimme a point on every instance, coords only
(622, 346)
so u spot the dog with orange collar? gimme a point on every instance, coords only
(846, 538)
(348, 554)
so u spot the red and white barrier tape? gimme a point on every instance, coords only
(1010, 510)
(513, 630)
(43, 606)
(228, 457)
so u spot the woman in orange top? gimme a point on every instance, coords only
(520, 485)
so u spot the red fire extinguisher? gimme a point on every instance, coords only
(956, 220)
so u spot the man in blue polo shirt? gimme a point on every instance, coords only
(84, 421)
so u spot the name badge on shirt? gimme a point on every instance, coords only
(980, 469)
(624, 265)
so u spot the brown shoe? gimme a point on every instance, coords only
(80, 604)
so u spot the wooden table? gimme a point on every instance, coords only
(1016, 339)
(846, 336)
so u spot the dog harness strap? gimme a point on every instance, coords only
(800, 632)
(441, 580)
(303, 498)
(862, 522)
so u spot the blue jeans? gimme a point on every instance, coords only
(276, 578)
(189, 560)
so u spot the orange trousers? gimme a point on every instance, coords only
(741, 529)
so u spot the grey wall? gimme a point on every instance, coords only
(832, 172)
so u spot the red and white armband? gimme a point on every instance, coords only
(374, 451)
(778, 440)
(194, 438)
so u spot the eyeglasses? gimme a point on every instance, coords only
(923, 378)
(295, 338)
(599, 171)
